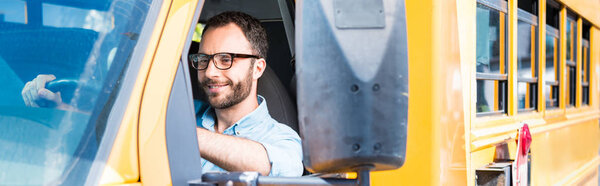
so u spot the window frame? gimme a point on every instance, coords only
(531, 95)
(585, 72)
(555, 34)
(502, 79)
(117, 112)
(499, 5)
(573, 30)
(184, 156)
(571, 64)
(183, 151)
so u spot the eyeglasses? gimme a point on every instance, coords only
(222, 61)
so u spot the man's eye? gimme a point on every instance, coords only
(226, 60)
(203, 60)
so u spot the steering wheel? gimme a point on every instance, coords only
(65, 86)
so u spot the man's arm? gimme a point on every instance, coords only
(233, 153)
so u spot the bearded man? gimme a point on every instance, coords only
(235, 131)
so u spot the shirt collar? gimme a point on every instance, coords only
(245, 124)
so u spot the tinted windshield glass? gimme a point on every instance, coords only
(85, 45)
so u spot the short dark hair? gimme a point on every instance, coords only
(253, 30)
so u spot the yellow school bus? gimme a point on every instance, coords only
(478, 70)
(458, 133)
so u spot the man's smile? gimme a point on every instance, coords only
(216, 87)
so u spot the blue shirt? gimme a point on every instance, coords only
(281, 142)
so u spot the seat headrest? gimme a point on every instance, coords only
(279, 102)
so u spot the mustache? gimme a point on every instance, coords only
(212, 81)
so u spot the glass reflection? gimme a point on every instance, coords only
(585, 67)
(525, 60)
(571, 35)
(585, 99)
(87, 46)
(551, 73)
(587, 71)
(551, 94)
(571, 82)
(490, 95)
(489, 23)
(526, 93)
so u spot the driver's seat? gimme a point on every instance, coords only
(279, 102)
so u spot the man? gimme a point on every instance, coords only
(235, 131)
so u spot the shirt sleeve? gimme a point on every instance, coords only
(285, 152)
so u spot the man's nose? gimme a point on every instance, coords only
(212, 70)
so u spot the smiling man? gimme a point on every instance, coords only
(235, 130)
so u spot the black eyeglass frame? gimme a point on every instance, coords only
(211, 57)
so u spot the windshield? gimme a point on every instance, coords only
(86, 45)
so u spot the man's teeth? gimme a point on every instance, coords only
(216, 86)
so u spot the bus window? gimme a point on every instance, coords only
(585, 65)
(88, 43)
(527, 63)
(571, 26)
(552, 72)
(490, 57)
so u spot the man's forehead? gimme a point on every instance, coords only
(228, 38)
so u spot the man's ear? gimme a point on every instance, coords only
(260, 65)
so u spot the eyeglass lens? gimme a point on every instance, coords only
(222, 61)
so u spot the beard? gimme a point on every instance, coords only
(240, 91)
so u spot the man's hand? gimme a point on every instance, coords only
(35, 93)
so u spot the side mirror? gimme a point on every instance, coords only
(352, 70)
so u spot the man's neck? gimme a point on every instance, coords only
(227, 117)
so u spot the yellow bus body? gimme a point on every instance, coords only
(139, 153)
(446, 141)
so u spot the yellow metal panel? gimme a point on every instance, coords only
(542, 56)
(435, 149)
(152, 142)
(512, 58)
(502, 130)
(484, 137)
(448, 120)
(466, 19)
(558, 153)
(494, 121)
(579, 62)
(502, 42)
(480, 159)
(567, 122)
(586, 8)
(122, 165)
(594, 67)
(587, 175)
(417, 169)
(563, 58)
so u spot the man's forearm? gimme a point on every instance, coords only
(233, 153)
